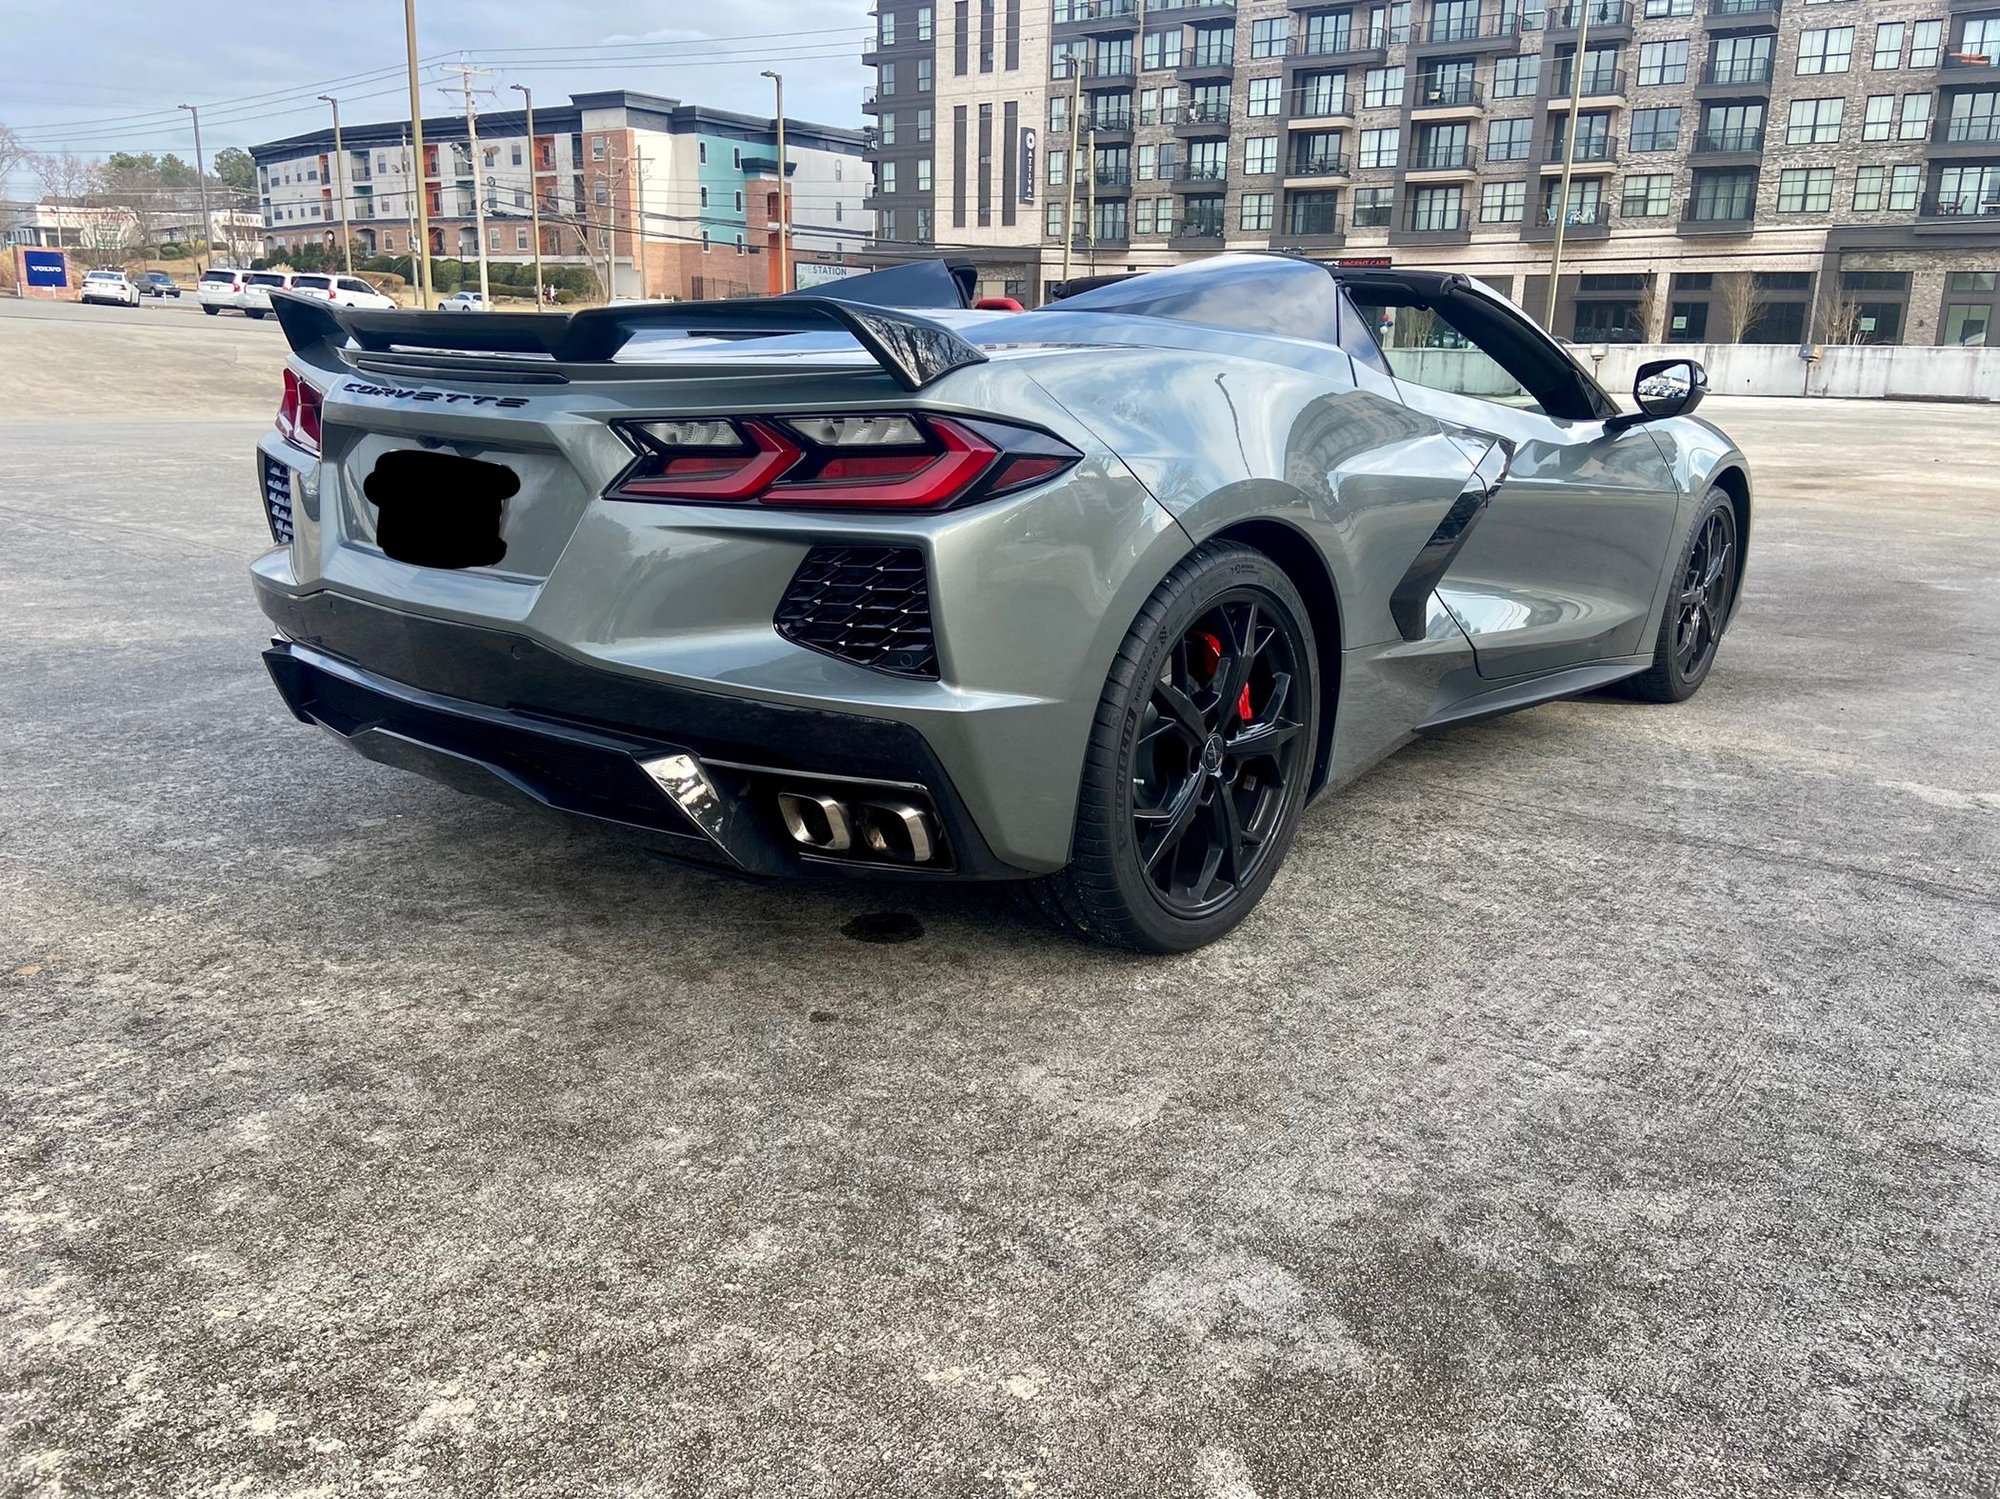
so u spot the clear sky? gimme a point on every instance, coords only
(107, 76)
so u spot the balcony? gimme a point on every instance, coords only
(1087, 17)
(1316, 164)
(1593, 154)
(1972, 136)
(1204, 117)
(1979, 61)
(1200, 177)
(1305, 106)
(1719, 78)
(1450, 226)
(1200, 231)
(1593, 222)
(1748, 143)
(1165, 114)
(1354, 48)
(1454, 157)
(1109, 122)
(872, 102)
(1467, 34)
(1112, 179)
(1698, 218)
(1610, 20)
(1431, 99)
(1193, 10)
(1204, 60)
(1960, 215)
(1725, 15)
(1109, 72)
(1598, 83)
(1310, 230)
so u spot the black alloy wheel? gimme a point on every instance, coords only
(1698, 609)
(1199, 762)
(1219, 754)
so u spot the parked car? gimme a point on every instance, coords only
(342, 291)
(220, 289)
(1094, 598)
(157, 284)
(108, 286)
(463, 301)
(257, 289)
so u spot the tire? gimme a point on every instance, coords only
(1187, 806)
(1698, 608)
(211, 311)
(252, 312)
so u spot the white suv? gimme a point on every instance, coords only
(220, 287)
(108, 286)
(257, 289)
(342, 291)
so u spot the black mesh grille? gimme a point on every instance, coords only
(867, 604)
(277, 498)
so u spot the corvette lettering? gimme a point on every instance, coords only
(449, 397)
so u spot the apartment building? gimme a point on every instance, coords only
(661, 198)
(1771, 170)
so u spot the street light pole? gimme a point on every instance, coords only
(201, 180)
(465, 77)
(340, 186)
(534, 186)
(1069, 176)
(1569, 158)
(420, 252)
(784, 191)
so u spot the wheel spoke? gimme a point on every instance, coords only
(1261, 739)
(1183, 711)
(1173, 818)
(1204, 881)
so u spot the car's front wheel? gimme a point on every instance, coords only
(1698, 608)
(1199, 760)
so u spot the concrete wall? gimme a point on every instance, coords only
(1909, 371)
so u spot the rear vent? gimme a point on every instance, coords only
(866, 604)
(277, 498)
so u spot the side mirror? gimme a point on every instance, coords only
(1664, 388)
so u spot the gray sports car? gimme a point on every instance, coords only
(1095, 598)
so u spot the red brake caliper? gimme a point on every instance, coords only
(1213, 659)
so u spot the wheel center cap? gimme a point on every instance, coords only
(1211, 755)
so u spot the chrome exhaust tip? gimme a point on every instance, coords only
(816, 822)
(888, 830)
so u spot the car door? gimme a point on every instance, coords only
(1562, 564)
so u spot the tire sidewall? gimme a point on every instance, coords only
(1215, 574)
(1686, 686)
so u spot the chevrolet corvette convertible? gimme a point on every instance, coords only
(1095, 598)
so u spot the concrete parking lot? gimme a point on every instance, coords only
(1603, 1101)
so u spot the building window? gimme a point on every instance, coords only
(1805, 190)
(1255, 214)
(1503, 202)
(1438, 208)
(704, 197)
(1663, 62)
(1267, 38)
(923, 125)
(1889, 44)
(923, 175)
(597, 148)
(1510, 140)
(923, 75)
(1380, 148)
(740, 247)
(1656, 129)
(1517, 77)
(1879, 121)
(1160, 49)
(1265, 94)
(1927, 44)
(739, 202)
(1260, 155)
(1815, 122)
(1052, 219)
(924, 23)
(1382, 88)
(1666, 10)
(1916, 117)
(1723, 197)
(1825, 50)
(1373, 207)
(704, 242)
(736, 157)
(1648, 197)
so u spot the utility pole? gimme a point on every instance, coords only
(534, 186)
(340, 187)
(784, 191)
(201, 179)
(1075, 124)
(1569, 158)
(420, 252)
(466, 74)
(639, 214)
(1090, 211)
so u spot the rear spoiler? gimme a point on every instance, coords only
(912, 349)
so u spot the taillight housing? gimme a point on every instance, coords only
(298, 413)
(872, 460)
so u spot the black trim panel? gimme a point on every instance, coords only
(1409, 602)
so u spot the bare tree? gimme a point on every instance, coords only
(1646, 314)
(1742, 304)
(1839, 319)
(66, 177)
(12, 153)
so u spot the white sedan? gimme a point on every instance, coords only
(463, 301)
(109, 286)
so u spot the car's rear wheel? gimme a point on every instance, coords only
(212, 311)
(1698, 608)
(1199, 759)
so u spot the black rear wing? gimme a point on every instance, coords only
(913, 349)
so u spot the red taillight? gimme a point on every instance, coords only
(998, 304)
(298, 413)
(866, 461)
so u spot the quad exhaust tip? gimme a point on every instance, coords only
(894, 831)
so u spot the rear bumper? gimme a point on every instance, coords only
(500, 715)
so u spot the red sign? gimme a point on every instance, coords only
(1364, 262)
